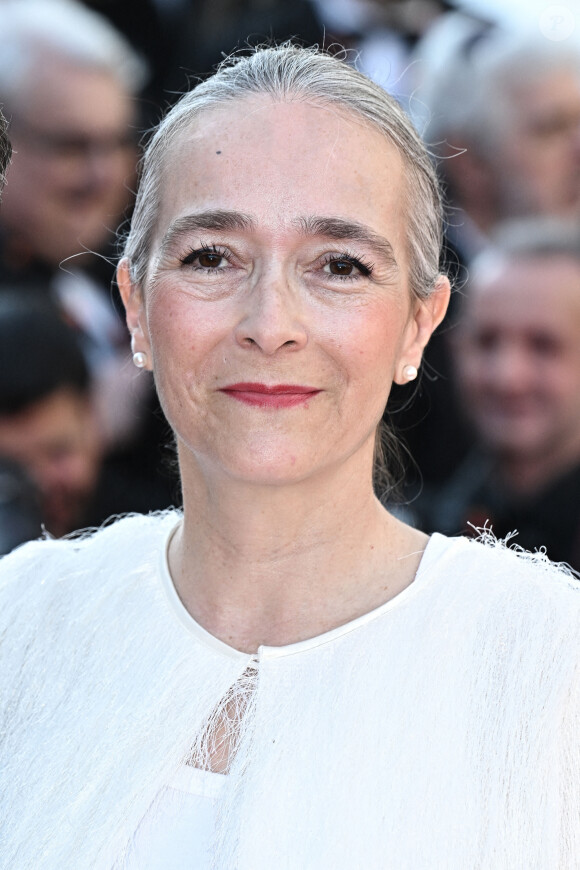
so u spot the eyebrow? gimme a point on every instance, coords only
(217, 219)
(343, 230)
(330, 227)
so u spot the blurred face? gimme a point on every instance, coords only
(74, 162)
(277, 310)
(539, 162)
(55, 441)
(518, 357)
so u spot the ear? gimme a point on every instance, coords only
(426, 317)
(135, 315)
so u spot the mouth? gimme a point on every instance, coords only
(275, 396)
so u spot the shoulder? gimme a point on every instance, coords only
(502, 560)
(509, 615)
(503, 579)
(40, 569)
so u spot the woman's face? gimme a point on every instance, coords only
(277, 310)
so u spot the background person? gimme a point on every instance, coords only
(272, 678)
(500, 110)
(517, 364)
(68, 82)
(19, 511)
(49, 428)
(48, 423)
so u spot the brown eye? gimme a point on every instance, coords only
(209, 260)
(340, 267)
(206, 259)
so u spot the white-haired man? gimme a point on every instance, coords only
(503, 113)
(68, 85)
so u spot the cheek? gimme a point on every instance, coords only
(184, 336)
(561, 383)
(474, 372)
(370, 352)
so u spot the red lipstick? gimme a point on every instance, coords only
(276, 396)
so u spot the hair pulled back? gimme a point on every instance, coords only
(289, 72)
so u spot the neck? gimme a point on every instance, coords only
(277, 564)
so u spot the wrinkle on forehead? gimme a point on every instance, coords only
(217, 148)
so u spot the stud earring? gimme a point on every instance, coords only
(140, 359)
(410, 373)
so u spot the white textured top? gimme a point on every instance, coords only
(176, 832)
(439, 731)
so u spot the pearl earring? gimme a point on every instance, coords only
(410, 373)
(140, 359)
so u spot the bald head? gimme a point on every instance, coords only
(518, 355)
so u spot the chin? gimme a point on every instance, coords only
(261, 465)
(522, 444)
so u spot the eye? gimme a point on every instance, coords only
(544, 344)
(486, 340)
(346, 266)
(341, 267)
(208, 259)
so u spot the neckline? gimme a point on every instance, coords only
(434, 547)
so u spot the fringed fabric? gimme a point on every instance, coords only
(439, 731)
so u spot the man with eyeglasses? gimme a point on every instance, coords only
(68, 84)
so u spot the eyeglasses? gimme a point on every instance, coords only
(71, 148)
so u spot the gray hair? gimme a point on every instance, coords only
(31, 29)
(526, 238)
(291, 72)
(467, 73)
(5, 150)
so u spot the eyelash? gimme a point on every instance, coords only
(192, 256)
(364, 268)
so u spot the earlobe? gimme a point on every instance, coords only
(132, 297)
(427, 316)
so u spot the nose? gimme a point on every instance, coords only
(273, 317)
(510, 369)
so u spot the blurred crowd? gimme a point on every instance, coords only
(492, 426)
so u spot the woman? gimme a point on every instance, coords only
(286, 676)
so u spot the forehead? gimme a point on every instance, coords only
(61, 95)
(277, 161)
(526, 294)
(551, 98)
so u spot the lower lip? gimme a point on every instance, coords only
(271, 400)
